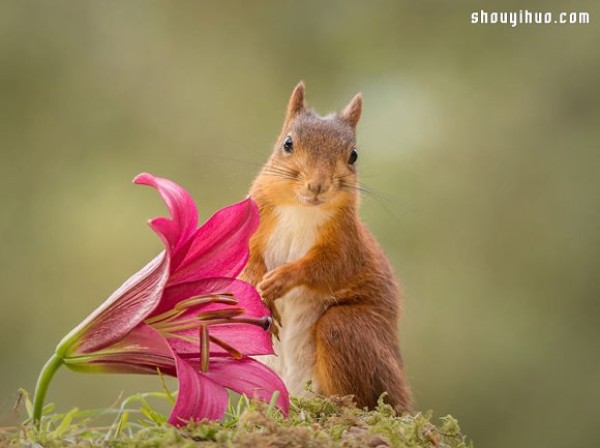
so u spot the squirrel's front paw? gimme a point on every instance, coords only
(275, 284)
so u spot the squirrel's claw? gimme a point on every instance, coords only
(274, 285)
(276, 322)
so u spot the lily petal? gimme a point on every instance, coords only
(142, 350)
(199, 397)
(250, 377)
(177, 231)
(220, 247)
(120, 313)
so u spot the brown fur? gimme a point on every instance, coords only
(356, 338)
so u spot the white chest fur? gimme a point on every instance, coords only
(294, 235)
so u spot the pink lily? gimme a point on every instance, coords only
(184, 313)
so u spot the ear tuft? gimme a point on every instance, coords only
(351, 113)
(296, 103)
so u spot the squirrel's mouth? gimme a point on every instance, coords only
(310, 200)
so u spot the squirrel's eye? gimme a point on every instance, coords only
(353, 157)
(288, 144)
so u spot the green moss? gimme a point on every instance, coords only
(313, 422)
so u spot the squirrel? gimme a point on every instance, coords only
(331, 289)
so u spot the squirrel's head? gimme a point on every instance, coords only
(314, 159)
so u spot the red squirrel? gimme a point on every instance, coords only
(330, 287)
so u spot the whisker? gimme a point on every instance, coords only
(282, 173)
(373, 196)
(344, 176)
(280, 170)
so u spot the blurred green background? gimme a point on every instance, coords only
(480, 143)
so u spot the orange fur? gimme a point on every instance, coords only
(353, 346)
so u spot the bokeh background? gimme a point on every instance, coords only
(480, 144)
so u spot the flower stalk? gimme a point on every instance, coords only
(42, 384)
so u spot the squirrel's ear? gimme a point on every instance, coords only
(296, 103)
(351, 113)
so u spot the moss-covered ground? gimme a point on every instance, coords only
(314, 422)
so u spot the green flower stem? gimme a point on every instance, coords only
(41, 387)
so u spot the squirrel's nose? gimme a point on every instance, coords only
(314, 187)
(317, 187)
